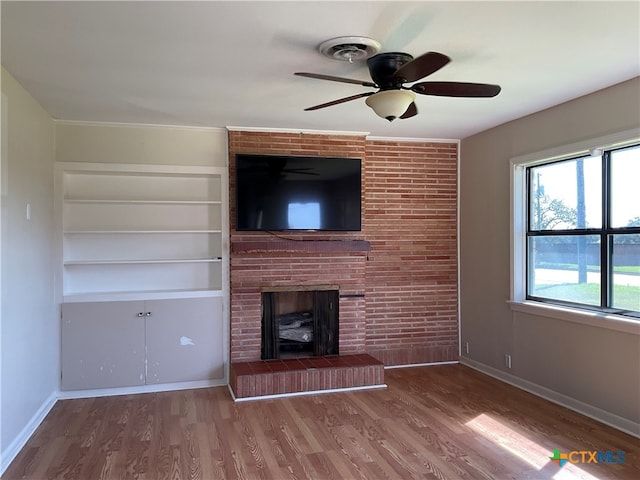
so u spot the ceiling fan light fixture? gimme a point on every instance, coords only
(390, 104)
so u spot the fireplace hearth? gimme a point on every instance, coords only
(299, 323)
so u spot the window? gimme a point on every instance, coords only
(304, 215)
(582, 230)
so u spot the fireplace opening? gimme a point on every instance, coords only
(299, 323)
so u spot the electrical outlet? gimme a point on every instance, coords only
(507, 360)
(466, 348)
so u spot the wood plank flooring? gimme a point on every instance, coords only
(439, 422)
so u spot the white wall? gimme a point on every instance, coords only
(589, 368)
(29, 325)
(141, 144)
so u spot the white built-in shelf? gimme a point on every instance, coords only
(141, 295)
(157, 260)
(151, 202)
(122, 232)
(142, 230)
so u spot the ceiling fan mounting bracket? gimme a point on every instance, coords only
(349, 48)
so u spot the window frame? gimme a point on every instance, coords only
(518, 226)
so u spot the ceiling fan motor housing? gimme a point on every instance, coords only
(382, 67)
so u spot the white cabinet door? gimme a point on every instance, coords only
(184, 340)
(103, 345)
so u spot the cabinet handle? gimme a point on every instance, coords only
(140, 314)
(147, 314)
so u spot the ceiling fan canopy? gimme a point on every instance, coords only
(390, 71)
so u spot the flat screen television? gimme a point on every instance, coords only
(276, 193)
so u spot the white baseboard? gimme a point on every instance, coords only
(9, 453)
(161, 387)
(310, 392)
(410, 365)
(608, 418)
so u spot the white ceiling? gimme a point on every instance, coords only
(219, 64)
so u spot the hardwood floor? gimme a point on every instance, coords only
(440, 422)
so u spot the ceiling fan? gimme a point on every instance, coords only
(390, 71)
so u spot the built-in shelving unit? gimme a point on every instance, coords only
(142, 231)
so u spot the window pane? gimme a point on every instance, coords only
(566, 195)
(564, 267)
(626, 272)
(304, 215)
(625, 194)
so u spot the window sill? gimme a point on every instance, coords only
(575, 315)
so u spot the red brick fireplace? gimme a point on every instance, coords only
(256, 271)
(397, 278)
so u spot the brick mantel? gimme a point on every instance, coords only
(284, 245)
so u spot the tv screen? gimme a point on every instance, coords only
(297, 193)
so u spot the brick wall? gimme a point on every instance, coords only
(411, 221)
(409, 278)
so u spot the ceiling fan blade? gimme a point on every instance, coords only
(336, 79)
(340, 100)
(422, 66)
(411, 111)
(456, 89)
